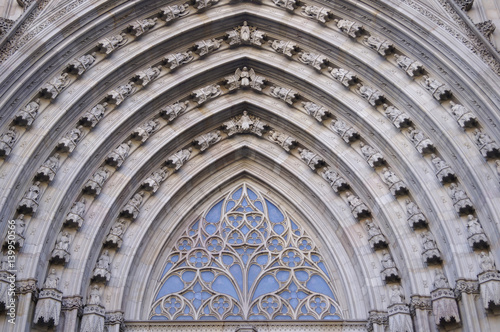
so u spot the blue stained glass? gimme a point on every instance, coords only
(237, 274)
(211, 229)
(302, 275)
(213, 216)
(278, 229)
(306, 317)
(283, 275)
(237, 194)
(251, 194)
(322, 266)
(188, 276)
(294, 227)
(234, 318)
(244, 202)
(169, 265)
(172, 285)
(257, 317)
(186, 310)
(228, 260)
(207, 276)
(330, 317)
(258, 205)
(184, 318)
(266, 285)
(223, 285)
(230, 205)
(159, 318)
(262, 259)
(244, 229)
(315, 258)
(253, 272)
(318, 284)
(158, 309)
(275, 214)
(281, 317)
(208, 318)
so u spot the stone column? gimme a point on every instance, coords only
(71, 309)
(27, 294)
(420, 309)
(377, 321)
(114, 321)
(466, 292)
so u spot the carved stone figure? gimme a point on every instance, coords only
(421, 142)
(465, 5)
(489, 282)
(337, 182)
(170, 112)
(316, 111)
(311, 159)
(287, 4)
(118, 156)
(76, 215)
(201, 4)
(118, 95)
(486, 262)
(132, 208)
(80, 65)
(464, 117)
(152, 183)
(108, 45)
(139, 27)
(372, 156)
(92, 117)
(146, 76)
(430, 253)
(396, 186)
(288, 95)
(487, 146)
(358, 209)
(52, 280)
(379, 45)
(179, 158)
(374, 97)
(29, 202)
(48, 170)
(60, 254)
(245, 35)
(321, 14)
(444, 173)
(397, 295)
(461, 201)
(440, 280)
(94, 295)
(20, 227)
(94, 185)
(415, 217)
(175, 60)
(347, 133)
(209, 92)
(244, 124)
(204, 47)
(444, 305)
(70, 140)
(475, 234)
(486, 28)
(244, 78)
(317, 61)
(375, 237)
(352, 29)
(7, 141)
(170, 13)
(52, 89)
(287, 48)
(283, 140)
(114, 238)
(143, 132)
(389, 271)
(343, 76)
(411, 67)
(206, 140)
(28, 114)
(102, 270)
(398, 118)
(439, 90)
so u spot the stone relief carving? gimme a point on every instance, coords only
(372, 156)
(486, 28)
(444, 173)
(48, 170)
(398, 118)
(175, 60)
(337, 182)
(320, 14)
(139, 27)
(352, 29)
(311, 159)
(316, 111)
(143, 132)
(373, 96)
(76, 215)
(70, 140)
(118, 156)
(208, 139)
(48, 307)
(94, 295)
(396, 185)
(170, 112)
(60, 254)
(244, 124)
(209, 92)
(201, 4)
(7, 141)
(287, 48)
(439, 90)
(389, 271)
(29, 202)
(486, 262)
(414, 216)
(146, 76)
(347, 133)
(91, 118)
(397, 295)
(461, 201)
(317, 61)
(118, 95)
(375, 237)
(179, 158)
(94, 185)
(399, 318)
(173, 12)
(444, 305)
(421, 142)
(114, 238)
(430, 253)
(52, 280)
(204, 47)
(487, 146)
(51, 89)
(245, 35)
(132, 208)
(28, 114)
(152, 183)
(18, 240)
(285, 141)
(410, 66)
(79, 65)
(358, 209)
(108, 45)
(244, 78)
(464, 117)
(466, 5)
(102, 270)
(343, 76)
(475, 234)
(288, 95)
(379, 45)
(489, 282)
(376, 318)
(287, 4)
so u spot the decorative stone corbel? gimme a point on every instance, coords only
(316, 111)
(146, 76)
(461, 201)
(203, 4)
(179, 158)
(48, 307)
(132, 208)
(28, 114)
(287, 48)
(411, 67)
(475, 234)
(7, 141)
(91, 118)
(245, 35)
(170, 112)
(152, 183)
(337, 182)
(60, 254)
(352, 29)
(396, 185)
(377, 321)
(372, 156)
(430, 252)
(464, 117)
(343, 76)
(118, 156)
(389, 271)
(444, 173)
(175, 60)
(373, 96)
(487, 146)
(381, 46)
(320, 14)
(397, 117)
(244, 78)
(317, 61)
(444, 305)
(375, 237)
(102, 270)
(489, 282)
(113, 319)
(139, 27)
(347, 133)
(114, 238)
(51, 89)
(285, 141)
(76, 215)
(207, 46)
(439, 91)
(358, 209)
(311, 159)
(204, 141)
(466, 286)
(48, 170)
(173, 12)
(287, 4)
(399, 312)
(108, 45)
(415, 217)
(209, 92)
(288, 95)
(143, 132)
(80, 65)
(30, 200)
(421, 142)
(118, 95)
(94, 185)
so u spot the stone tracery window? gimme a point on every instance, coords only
(245, 259)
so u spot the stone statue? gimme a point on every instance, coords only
(444, 173)
(146, 76)
(48, 170)
(201, 4)
(423, 144)
(80, 65)
(204, 47)
(352, 29)
(131, 209)
(431, 253)
(63, 241)
(347, 133)
(52, 89)
(92, 117)
(208, 139)
(317, 61)
(139, 27)
(152, 183)
(94, 185)
(244, 124)
(316, 111)
(475, 234)
(170, 112)
(411, 67)
(487, 146)
(108, 45)
(143, 132)
(118, 95)
(287, 48)
(173, 12)
(178, 59)
(118, 156)
(373, 96)
(114, 238)
(387, 262)
(358, 208)
(28, 114)
(343, 76)
(415, 217)
(60, 254)
(95, 295)
(396, 186)
(287, 4)
(209, 92)
(179, 158)
(245, 35)
(70, 140)
(52, 280)
(440, 280)
(288, 95)
(389, 271)
(372, 156)
(311, 159)
(486, 262)
(102, 271)
(337, 182)
(464, 117)
(439, 90)
(29, 202)
(398, 118)
(461, 201)
(76, 214)
(321, 14)
(244, 78)
(379, 45)
(7, 141)
(282, 139)
(375, 237)
(397, 295)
